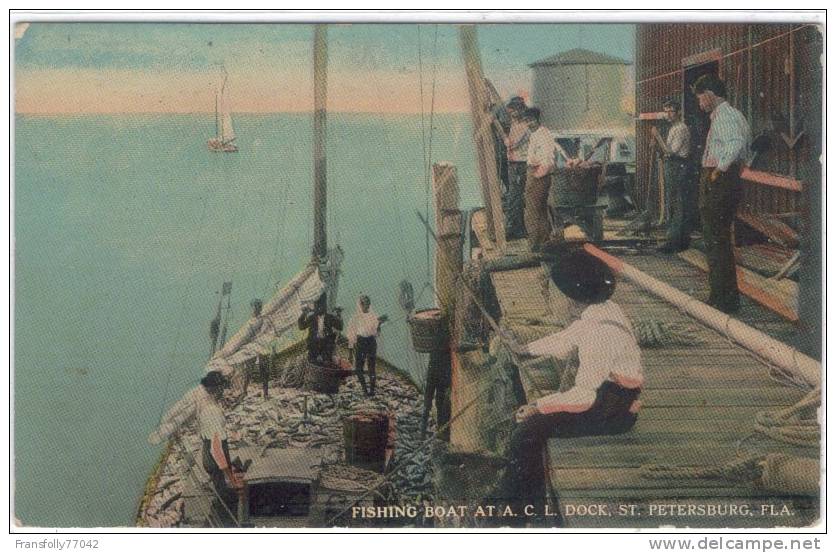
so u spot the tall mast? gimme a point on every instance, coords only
(320, 103)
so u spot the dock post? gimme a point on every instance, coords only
(448, 225)
(448, 267)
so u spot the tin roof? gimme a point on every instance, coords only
(580, 56)
(297, 465)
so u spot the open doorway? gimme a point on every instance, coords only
(697, 120)
(698, 123)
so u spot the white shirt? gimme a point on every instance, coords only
(362, 324)
(679, 139)
(606, 352)
(728, 138)
(518, 138)
(541, 148)
(210, 416)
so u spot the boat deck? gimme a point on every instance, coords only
(699, 403)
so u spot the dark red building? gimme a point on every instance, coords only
(773, 73)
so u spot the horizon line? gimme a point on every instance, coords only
(243, 112)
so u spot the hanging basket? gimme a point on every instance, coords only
(429, 331)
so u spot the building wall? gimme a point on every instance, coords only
(580, 96)
(773, 76)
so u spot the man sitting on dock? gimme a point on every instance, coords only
(540, 159)
(604, 399)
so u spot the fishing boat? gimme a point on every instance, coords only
(310, 447)
(224, 138)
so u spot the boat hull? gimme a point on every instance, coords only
(216, 145)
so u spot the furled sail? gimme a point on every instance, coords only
(256, 337)
(278, 316)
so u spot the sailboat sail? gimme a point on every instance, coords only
(227, 132)
(224, 133)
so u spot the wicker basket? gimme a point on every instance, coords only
(429, 331)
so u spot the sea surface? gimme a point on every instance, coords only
(125, 227)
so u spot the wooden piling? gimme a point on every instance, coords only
(448, 224)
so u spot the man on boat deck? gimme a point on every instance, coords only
(323, 329)
(212, 427)
(363, 329)
(604, 399)
(540, 160)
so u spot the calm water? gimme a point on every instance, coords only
(125, 227)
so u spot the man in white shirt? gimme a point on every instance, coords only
(604, 398)
(726, 149)
(363, 329)
(540, 160)
(677, 179)
(211, 425)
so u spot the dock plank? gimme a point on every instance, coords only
(699, 399)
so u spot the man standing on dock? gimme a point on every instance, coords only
(363, 329)
(677, 146)
(540, 159)
(726, 149)
(517, 144)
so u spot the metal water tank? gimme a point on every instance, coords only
(581, 89)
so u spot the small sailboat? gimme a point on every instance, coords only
(224, 138)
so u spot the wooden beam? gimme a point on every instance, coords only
(652, 116)
(482, 122)
(756, 287)
(771, 227)
(771, 179)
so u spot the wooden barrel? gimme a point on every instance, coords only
(366, 436)
(429, 331)
(576, 186)
(322, 379)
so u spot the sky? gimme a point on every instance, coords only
(175, 68)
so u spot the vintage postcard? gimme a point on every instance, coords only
(418, 274)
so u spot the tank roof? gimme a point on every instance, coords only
(580, 56)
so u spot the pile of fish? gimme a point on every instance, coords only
(294, 418)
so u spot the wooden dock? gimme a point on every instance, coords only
(699, 404)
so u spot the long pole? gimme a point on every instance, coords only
(762, 345)
(320, 104)
(482, 136)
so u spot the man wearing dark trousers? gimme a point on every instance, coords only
(677, 148)
(323, 329)
(363, 329)
(726, 149)
(604, 398)
(517, 144)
